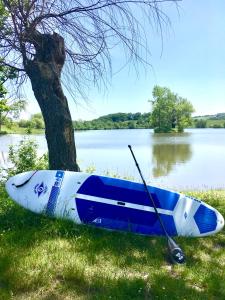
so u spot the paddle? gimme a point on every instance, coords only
(176, 254)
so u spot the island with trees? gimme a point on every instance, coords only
(170, 113)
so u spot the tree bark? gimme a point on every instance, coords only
(44, 72)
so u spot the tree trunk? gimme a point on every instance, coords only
(44, 72)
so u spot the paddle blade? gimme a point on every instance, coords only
(176, 254)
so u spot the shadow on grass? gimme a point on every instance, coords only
(105, 288)
(100, 264)
(22, 231)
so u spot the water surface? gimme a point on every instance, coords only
(192, 160)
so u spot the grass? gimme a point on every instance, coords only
(19, 130)
(212, 123)
(42, 258)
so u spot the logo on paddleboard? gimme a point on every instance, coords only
(40, 189)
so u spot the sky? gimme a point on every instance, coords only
(191, 63)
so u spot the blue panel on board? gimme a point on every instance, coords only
(123, 218)
(205, 219)
(54, 193)
(127, 191)
(59, 174)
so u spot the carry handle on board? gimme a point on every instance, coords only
(176, 254)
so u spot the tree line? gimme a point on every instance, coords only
(209, 123)
(116, 121)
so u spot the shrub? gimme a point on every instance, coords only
(201, 123)
(24, 157)
(216, 126)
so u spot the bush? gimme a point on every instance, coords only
(24, 157)
(38, 123)
(162, 130)
(216, 126)
(34, 123)
(3, 132)
(201, 123)
(23, 123)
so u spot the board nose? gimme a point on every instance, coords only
(14, 185)
(208, 220)
(11, 188)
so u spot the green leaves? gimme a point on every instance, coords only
(3, 106)
(8, 106)
(24, 157)
(170, 111)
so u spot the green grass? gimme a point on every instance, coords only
(20, 130)
(42, 258)
(219, 123)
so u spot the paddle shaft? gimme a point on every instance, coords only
(176, 254)
(148, 193)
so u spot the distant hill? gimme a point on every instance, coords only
(139, 120)
(210, 121)
(219, 116)
(116, 121)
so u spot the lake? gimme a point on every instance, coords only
(194, 159)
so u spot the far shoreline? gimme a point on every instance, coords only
(23, 131)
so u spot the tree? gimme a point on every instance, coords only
(163, 114)
(170, 111)
(200, 123)
(37, 121)
(37, 36)
(8, 107)
(183, 110)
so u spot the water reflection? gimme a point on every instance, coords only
(167, 155)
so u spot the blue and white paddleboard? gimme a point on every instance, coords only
(112, 203)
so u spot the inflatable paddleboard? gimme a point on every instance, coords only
(112, 203)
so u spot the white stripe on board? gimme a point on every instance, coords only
(127, 204)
